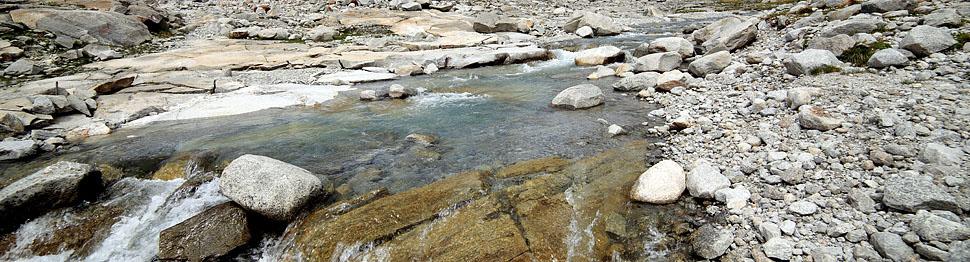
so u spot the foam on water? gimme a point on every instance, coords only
(135, 237)
(446, 100)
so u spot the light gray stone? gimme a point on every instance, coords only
(709, 242)
(579, 97)
(925, 40)
(887, 57)
(930, 252)
(911, 194)
(17, 149)
(641, 81)
(671, 44)
(778, 248)
(710, 64)
(585, 32)
(769, 230)
(935, 153)
(803, 208)
(959, 251)
(100, 52)
(835, 44)
(804, 62)
(943, 17)
(883, 6)
(861, 201)
(108, 28)
(931, 227)
(662, 183)
(268, 186)
(811, 117)
(704, 179)
(322, 33)
(856, 24)
(726, 34)
(797, 97)
(601, 24)
(57, 185)
(490, 22)
(733, 198)
(22, 66)
(659, 62)
(599, 56)
(891, 246)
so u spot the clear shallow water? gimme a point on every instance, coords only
(482, 118)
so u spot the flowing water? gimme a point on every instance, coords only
(482, 118)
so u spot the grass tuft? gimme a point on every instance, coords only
(859, 55)
(826, 70)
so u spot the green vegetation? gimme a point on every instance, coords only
(962, 39)
(826, 70)
(859, 55)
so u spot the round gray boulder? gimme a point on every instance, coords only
(268, 186)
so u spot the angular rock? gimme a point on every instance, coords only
(835, 44)
(797, 97)
(887, 57)
(399, 91)
(58, 185)
(726, 34)
(368, 95)
(710, 64)
(78, 104)
(671, 44)
(22, 66)
(211, 234)
(852, 26)
(411, 6)
(100, 52)
(585, 32)
(579, 97)
(959, 251)
(10, 53)
(599, 56)
(601, 72)
(615, 130)
(709, 242)
(733, 198)
(662, 183)
(943, 17)
(88, 26)
(803, 208)
(778, 248)
(641, 81)
(911, 194)
(490, 22)
(882, 6)
(924, 40)
(321, 33)
(114, 85)
(11, 125)
(17, 149)
(861, 201)
(891, 246)
(268, 186)
(935, 153)
(804, 62)
(601, 24)
(660, 62)
(811, 117)
(41, 105)
(704, 179)
(931, 227)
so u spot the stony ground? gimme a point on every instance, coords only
(810, 131)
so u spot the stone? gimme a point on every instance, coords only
(615, 130)
(805, 62)
(273, 33)
(911, 194)
(852, 26)
(835, 44)
(112, 86)
(861, 201)
(662, 183)
(599, 56)
(490, 22)
(803, 208)
(641, 81)
(797, 97)
(931, 227)
(769, 230)
(107, 28)
(886, 58)
(399, 91)
(11, 125)
(733, 198)
(321, 33)
(579, 97)
(881, 158)
(682, 46)
(211, 234)
(78, 104)
(810, 117)
(704, 179)
(41, 105)
(22, 66)
(368, 95)
(411, 6)
(726, 34)
(930, 252)
(100, 52)
(959, 251)
(17, 149)
(943, 17)
(585, 32)
(935, 153)
(659, 62)
(891, 246)
(709, 242)
(924, 40)
(601, 72)
(58, 185)
(710, 64)
(883, 6)
(268, 186)
(778, 248)
(601, 24)
(10, 53)
(423, 140)
(856, 236)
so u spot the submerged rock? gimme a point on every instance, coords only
(58, 185)
(660, 184)
(579, 97)
(268, 186)
(208, 235)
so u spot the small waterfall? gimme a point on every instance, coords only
(579, 239)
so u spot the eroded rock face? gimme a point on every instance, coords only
(268, 186)
(208, 235)
(58, 185)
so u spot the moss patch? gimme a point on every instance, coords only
(962, 39)
(859, 55)
(826, 70)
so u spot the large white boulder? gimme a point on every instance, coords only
(662, 183)
(268, 186)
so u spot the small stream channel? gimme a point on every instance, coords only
(482, 118)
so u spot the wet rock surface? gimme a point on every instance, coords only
(208, 235)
